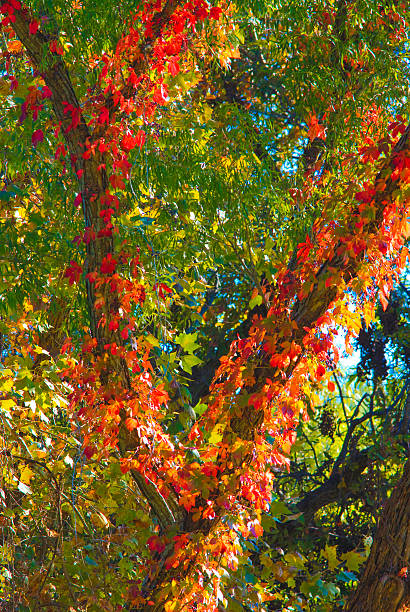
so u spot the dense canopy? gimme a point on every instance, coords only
(204, 206)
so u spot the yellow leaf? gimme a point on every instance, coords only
(152, 340)
(7, 385)
(7, 404)
(26, 475)
(368, 314)
(330, 555)
(216, 434)
(353, 560)
(295, 559)
(4, 87)
(207, 112)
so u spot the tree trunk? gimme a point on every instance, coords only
(385, 584)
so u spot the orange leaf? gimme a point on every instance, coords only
(131, 424)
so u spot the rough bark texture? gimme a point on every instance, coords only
(385, 586)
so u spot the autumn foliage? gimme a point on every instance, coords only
(109, 326)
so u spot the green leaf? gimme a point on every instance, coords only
(353, 559)
(147, 220)
(200, 409)
(189, 361)
(187, 342)
(329, 553)
(256, 301)
(278, 508)
(346, 576)
(296, 559)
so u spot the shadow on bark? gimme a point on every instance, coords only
(385, 584)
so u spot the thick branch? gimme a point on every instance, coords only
(383, 586)
(337, 486)
(247, 421)
(348, 467)
(93, 184)
(308, 310)
(93, 181)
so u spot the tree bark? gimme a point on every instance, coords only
(385, 584)
(93, 183)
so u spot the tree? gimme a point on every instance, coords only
(202, 210)
(344, 466)
(384, 584)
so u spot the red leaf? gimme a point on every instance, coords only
(117, 182)
(383, 300)
(131, 424)
(46, 92)
(14, 83)
(37, 137)
(89, 451)
(160, 94)
(173, 66)
(73, 272)
(321, 371)
(55, 47)
(155, 544)
(33, 27)
(304, 249)
(108, 264)
(140, 139)
(78, 200)
(104, 115)
(125, 466)
(89, 345)
(316, 130)
(215, 12)
(66, 347)
(162, 289)
(128, 142)
(60, 151)
(106, 214)
(91, 277)
(76, 113)
(383, 247)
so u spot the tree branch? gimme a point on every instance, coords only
(93, 184)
